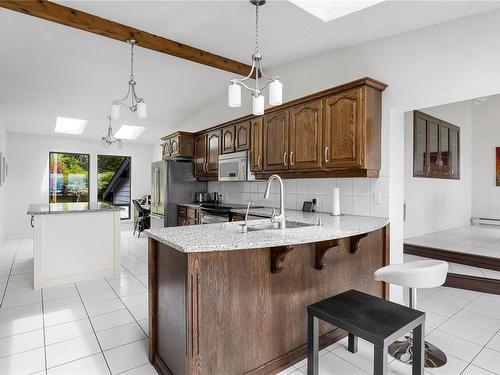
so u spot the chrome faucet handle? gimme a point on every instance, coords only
(246, 214)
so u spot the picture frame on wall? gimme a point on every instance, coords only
(498, 166)
(4, 168)
(1, 170)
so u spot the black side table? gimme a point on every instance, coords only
(374, 319)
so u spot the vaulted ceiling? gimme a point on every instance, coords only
(48, 69)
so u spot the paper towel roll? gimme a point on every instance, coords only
(336, 202)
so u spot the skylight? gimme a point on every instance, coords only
(328, 10)
(129, 132)
(66, 125)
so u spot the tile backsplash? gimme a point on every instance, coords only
(358, 196)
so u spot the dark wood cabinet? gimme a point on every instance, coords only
(187, 215)
(305, 136)
(178, 144)
(275, 141)
(256, 145)
(207, 150)
(333, 133)
(213, 151)
(242, 136)
(343, 130)
(200, 159)
(436, 149)
(228, 139)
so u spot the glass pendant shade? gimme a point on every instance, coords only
(258, 105)
(142, 110)
(115, 111)
(275, 93)
(234, 95)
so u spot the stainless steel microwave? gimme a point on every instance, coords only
(234, 167)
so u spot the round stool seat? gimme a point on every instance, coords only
(420, 274)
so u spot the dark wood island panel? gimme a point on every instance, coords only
(225, 312)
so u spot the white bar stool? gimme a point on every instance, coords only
(414, 275)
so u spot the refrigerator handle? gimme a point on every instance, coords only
(157, 187)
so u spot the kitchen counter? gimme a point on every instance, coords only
(229, 236)
(74, 242)
(70, 208)
(212, 287)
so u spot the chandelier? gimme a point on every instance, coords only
(110, 139)
(136, 103)
(261, 80)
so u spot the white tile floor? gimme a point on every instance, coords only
(100, 326)
(473, 239)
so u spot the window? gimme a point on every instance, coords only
(436, 147)
(68, 177)
(113, 182)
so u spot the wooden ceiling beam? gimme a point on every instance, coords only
(97, 25)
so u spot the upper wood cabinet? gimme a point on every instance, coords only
(179, 144)
(436, 149)
(333, 133)
(242, 136)
(275, 137)
(343, 130)
(228, 139)
(213, 151)
(200, 159)
(207, 150)
(256, 145)
(306, 124)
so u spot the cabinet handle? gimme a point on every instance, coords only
(205, 167)
(291, 158)
(258, 162)
(326, 154)
(284, 159)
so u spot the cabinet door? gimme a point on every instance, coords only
(175, 146)
(165, 150)
(275, 148)
(256, 145)
(454, 159)
(305, 135)
(200, 150)
(343, 130)
(420, 162)
(228, 141)
(242, 136)
(213, 151)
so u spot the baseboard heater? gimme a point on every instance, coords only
(484, 220)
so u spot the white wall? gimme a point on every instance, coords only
(444, 63)
(29, 172)
(3, 188)
(434, 204)
(485, 137)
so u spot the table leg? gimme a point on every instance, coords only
(312, 345)
(418, 350)
(352, 344)
(380, 360)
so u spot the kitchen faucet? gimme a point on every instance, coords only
(281, 217)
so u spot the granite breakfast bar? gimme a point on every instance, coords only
(226, 302)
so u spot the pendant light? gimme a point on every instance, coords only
(261, 80)
(110, 139)
(137, 104)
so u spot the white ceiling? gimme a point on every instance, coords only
(48, 70)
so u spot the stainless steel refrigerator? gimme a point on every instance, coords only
(172, 182)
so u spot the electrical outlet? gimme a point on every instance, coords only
(377, 198)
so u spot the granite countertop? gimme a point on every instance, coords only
(229, 236)
(70, 208)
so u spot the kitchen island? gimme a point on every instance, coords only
(74, 242)
(226, 302)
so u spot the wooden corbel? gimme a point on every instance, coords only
(354, 242)
(321, 249)
(278, 255)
